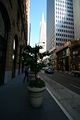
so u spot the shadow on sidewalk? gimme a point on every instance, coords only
(14, 104)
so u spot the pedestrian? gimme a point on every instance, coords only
(26, 77)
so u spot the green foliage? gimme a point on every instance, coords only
(32, 57)
(38, 83)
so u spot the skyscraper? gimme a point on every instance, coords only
(76, 9)
(42, 35)
(60, 23)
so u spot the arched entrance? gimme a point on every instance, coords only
(2, 57)
(4, 29)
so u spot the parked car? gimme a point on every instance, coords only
(49, 70)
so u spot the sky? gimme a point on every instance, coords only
(37, 7)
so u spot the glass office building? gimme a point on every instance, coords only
(76, 9)
(60, 23)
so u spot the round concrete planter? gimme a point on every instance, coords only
(36, 96)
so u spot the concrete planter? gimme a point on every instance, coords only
(36, 96)
(31, 76)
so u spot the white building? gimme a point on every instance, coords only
(76, 8)
(42, 35)
(60, 22)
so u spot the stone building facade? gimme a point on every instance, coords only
(68, 56)
(11, 39)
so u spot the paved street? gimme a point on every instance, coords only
(67, 80)
(68, 100)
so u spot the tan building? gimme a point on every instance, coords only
(12, 37)
(26, 18)
(68, 56)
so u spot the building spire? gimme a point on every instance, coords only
(42, 17)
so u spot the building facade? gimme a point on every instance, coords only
(42, 34)
(68, 56)
(60, 23)
(76, 8)
(26, 18)
(12, 37)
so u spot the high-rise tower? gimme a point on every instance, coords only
(42, 35)
(60, 23)
(76, 11)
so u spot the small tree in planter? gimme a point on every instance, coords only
(33, 58)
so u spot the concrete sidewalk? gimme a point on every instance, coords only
(14, 104)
